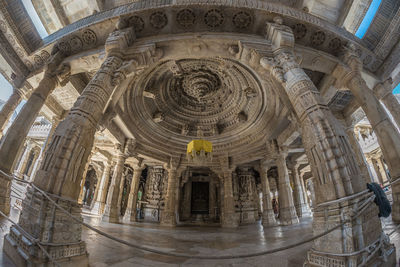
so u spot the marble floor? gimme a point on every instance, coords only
(191, 239)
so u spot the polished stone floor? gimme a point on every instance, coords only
(196, 240)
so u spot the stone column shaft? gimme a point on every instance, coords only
(268, 215)
(24, 159)
(212, 195)
(100, 201)
(335, 168)
(331, 158)
(383, 91)
(386, 133)
(287, 211)
(307, 199)
(54, 123)
(187, 201)
(228, 211)
(14, 138)
(8, 109)
(359, 155)
(112, 211)
(382, 169)
(377, 170)
(12, 142)
(130, 213)
(83, 180)
(168, 216)
(301, 206)
(61, 171)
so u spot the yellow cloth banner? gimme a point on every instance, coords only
(198, 145)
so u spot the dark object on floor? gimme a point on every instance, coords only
(380, 199)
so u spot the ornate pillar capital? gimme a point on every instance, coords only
(173, 164)
(283, 153)
(266, 164)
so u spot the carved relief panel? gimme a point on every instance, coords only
(156, 186)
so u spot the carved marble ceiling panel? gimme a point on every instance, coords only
(219, 99)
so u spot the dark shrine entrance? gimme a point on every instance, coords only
(200, 197)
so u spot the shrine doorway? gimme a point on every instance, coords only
(200, 200)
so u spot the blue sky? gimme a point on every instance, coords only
(369, 16)
(6, 90)
(35, 18)
(396, 90)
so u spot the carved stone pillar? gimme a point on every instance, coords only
(112, 211)
(24, 158)
(377, 170)
(213, 201)
(130, 213)
(83, 180)
(268, 215)
(100, 201)
(301, 206)
(154, 196)
(382, 169)
(246, 197)
(168, 216)
(287, 211)
(229, 219)
(358, 153)
(257, 192)
(54, 123)
(186, 212)
(386, 133)
(13, 141)
(332, 160)
(383, 91)
(306, 198)
(63, 166)
(310, 183)
(9, 108)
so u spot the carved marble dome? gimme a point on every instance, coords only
(172, 102)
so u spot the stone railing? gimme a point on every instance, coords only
(39, 131)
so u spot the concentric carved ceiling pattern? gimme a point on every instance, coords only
(219, 99)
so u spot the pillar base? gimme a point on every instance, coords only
(268, 218)
(317, 260)
(23, 253)
(353, 236)
(303, 210)
(47, 224)
(110, 219)
(168, 219)
(98, 208)
(288, 216)
(229, 221)
(129, 217)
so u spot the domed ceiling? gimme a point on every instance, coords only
(214, 98)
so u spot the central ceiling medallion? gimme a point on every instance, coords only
(220, 97)
(199, 84)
